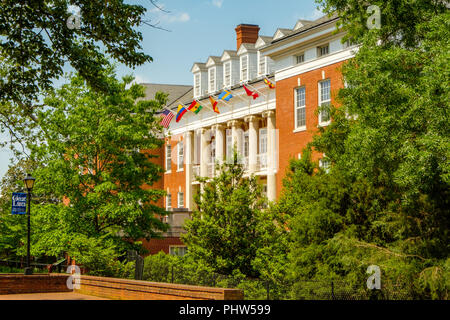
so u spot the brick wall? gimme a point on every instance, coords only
(122, 289)
(173, 181)
(292, 143)
(154, 246)
(18, 284)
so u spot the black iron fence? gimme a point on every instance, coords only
(12, 266)
(293, 289)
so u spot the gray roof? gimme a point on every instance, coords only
(175, 91)
(310, 25)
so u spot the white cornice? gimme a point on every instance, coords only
(315, 64)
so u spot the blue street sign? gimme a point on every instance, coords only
(19, 203)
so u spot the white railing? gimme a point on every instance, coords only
(245, 162)
(211, 170)
(261, 162)
(196, 171)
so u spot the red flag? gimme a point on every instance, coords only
(250, 93)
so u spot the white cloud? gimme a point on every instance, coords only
(180, 17)
(313, 15)
(217, 3)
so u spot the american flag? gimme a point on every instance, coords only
(168, 116)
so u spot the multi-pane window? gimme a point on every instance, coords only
(180, 200)
(212, 79)
(180, 162)
(300, 108)
(244, 68)
(325, 164)
(168, 158)
(300, 58)
(213, 150)
(229, 145)
(263, 141)
(197, 85)
(323, 50)
(168, 202)
(227, 74)
(246, 147)
(177, 251)
(262, 64)
(324, 101)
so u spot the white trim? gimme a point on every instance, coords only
(311, 65)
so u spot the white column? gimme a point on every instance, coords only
(189, 159)
(204, 158)
(253, 124)
(237, 134)
(220, 142)
(271, 156)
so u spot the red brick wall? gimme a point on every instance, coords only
(154, 246)
(18, 284)
(173, 181)
(290, 143)
(122, 289)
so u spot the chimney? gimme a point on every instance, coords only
(246, 33)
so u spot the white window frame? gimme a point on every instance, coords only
(262, 61)
(324, 102)
(243, 79)
(180, 156)
(229, 144)
(168, 202)
(227, 75)
(180, 200)
(168, 160)
(320, 48)
(263, 146)
(197, 85)
(173, 250)
(324, 164)
(297, 107)
(212, 79)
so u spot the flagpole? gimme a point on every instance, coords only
(252, 87)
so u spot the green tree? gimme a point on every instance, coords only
(36, 43)
(228, 227)
(94, 168)
(12, 227)
(385, 199)
(399, 18)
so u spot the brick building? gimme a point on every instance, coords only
(303, 62)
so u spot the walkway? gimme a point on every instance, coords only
(49, 296)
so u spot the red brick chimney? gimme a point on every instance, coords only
(246, 33)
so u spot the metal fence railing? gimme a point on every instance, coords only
(260, 289)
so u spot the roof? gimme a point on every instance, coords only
(310, 25)
(175, 92)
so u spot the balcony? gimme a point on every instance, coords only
(261, 163)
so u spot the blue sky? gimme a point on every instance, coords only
(199, 29)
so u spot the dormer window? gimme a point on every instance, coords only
(244, 68)
(323, 50)
(212, 80)
(227, 74)
(300, 58)
(262, 66)
(197, 91)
